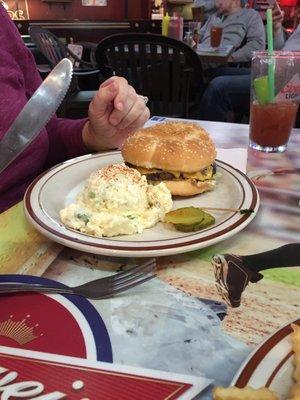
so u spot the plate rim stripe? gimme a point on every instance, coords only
(278, 367)
(244, 374)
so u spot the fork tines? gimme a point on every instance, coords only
(135, 276)
(147, 266)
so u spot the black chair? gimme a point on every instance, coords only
(165, 70)
(54, 50)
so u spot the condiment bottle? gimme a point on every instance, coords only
(165, 25)
(196, 37)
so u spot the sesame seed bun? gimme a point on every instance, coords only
(172, 146)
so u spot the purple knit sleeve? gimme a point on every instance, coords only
(65, 139)
(61, 139)
(19, 79)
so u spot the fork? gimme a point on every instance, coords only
(98, 289)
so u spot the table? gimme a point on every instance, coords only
(218, 56)
(177, 322)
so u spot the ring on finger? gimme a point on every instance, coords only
(144, 98)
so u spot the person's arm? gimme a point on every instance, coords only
(115, 111)
(293, 42)
(65, 139)
(279, 39)
(278, 32)
(256, 40)
(19, 79)
(64, 136)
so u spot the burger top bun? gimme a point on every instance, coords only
(173, 146)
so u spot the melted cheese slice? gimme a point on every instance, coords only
(203, 175)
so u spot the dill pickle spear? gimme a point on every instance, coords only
(185, 215)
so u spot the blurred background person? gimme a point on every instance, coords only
(209, 7)
(242, 28)
(228, 96)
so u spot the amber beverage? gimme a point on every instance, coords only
(216, 36)
(275, 94)
(271, 125)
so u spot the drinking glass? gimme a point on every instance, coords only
(216, 32)
(275, 95)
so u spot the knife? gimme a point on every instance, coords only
(36, 113)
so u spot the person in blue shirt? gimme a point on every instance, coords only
(228, 94)
(210, 7)
(242, 28)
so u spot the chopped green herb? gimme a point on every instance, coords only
(84, 217)
(92, 195)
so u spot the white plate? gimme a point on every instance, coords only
(58, 187)
(270, 365)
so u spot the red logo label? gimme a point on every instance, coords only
(50, 379)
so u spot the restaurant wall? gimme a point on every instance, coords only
(115, 10)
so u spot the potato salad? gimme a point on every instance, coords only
(117, 200)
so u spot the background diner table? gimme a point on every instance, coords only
(219, 55)
(177, 322)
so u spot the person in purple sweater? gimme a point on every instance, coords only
(115, 111)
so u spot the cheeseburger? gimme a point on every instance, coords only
(179, 154)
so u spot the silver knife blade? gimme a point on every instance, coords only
(36, 113)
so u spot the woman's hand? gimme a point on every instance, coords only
(115, 111)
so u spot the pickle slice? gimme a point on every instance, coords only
(189, 219)
(185, 215)
(205, 223)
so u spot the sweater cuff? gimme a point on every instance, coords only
(76, 146)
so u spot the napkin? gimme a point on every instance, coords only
(236, 157)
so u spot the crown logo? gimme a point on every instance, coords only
(19, 331)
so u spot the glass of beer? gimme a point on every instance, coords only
(216, 32)
(275, 95)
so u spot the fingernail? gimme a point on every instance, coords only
(106, 84)
(112, 87)
(119, 106)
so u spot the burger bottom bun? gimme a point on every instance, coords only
(187, 187)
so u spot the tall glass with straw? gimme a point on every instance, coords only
(273, 108)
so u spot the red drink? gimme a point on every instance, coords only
(215, 36)
(271, 125)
